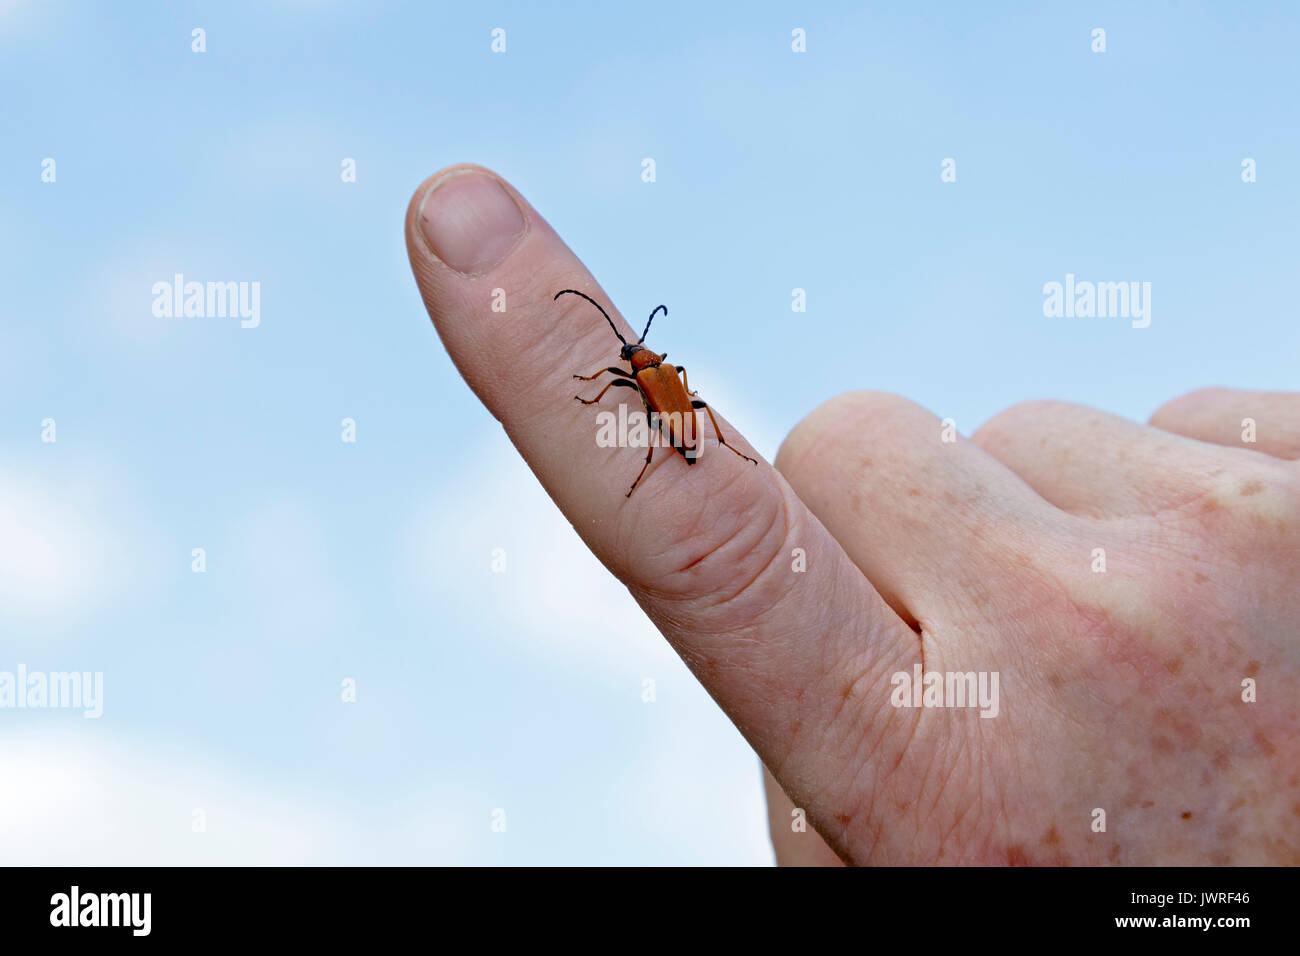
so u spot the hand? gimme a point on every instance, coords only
(1120, 691)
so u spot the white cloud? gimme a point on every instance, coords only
(63, 552)
(74, 801)
(553, 589)
(698, 791)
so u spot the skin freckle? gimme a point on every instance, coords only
(857, 502)
(1174, 665)
(1200, 578)
(1163, 745)
(1187, 814)
(1264, 744)
(1051, 837)
(1252, 669)
(1251, 488)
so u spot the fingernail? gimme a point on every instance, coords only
(470, 222)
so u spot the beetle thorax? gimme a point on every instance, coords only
(644, 358)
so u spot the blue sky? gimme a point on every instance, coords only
(372, 560)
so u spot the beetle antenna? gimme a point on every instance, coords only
(651, 319)
(597, 305)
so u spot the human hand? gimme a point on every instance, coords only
(1119, 690)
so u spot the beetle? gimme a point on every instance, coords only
(662, 392)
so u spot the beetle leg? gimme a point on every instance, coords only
(616, 371)
(648, 455)
(685, 383)
(721, 440)
(625, 382)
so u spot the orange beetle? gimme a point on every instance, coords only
(663, 394)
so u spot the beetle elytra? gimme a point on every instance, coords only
(664, 392)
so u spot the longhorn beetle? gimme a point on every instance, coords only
(662, 392)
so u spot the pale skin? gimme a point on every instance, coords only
(1120, 690)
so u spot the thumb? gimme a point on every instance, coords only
(707, 551)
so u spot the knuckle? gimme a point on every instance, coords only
(1252, 502)
(1005, 425)
(723, 555)
(1175, 409)
(858, 413)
